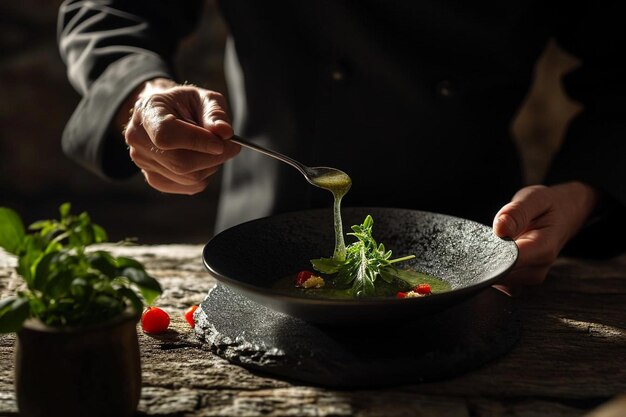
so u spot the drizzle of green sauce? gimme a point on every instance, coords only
(338, 183)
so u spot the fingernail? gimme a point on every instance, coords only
(511, 291)
(509, 224)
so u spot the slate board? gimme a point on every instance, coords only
(457, 340)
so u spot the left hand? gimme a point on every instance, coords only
(541, 220)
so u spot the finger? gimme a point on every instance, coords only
(526, 205)
(189, 179)
(135, 135)
(172, 133)
(167, 132)
(139, 145)
(214, 115)
(536, 249)
(185, 162)
(162, 183)
(153, 161)
(181, 166)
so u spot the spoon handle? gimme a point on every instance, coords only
(297, 165)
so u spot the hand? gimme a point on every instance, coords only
(541, 220)
(178, 135)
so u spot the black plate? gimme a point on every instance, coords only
(251, 256)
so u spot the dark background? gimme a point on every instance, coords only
(36, 100)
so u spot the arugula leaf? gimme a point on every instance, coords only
(327, 265)
(365, 261)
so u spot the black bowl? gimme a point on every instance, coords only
(250, 257)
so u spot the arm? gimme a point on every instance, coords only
(584, 204)
(110, 48)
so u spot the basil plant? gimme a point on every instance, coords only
(67, 283)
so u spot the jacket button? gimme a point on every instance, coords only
(337, 75)
(445, 89)
(338, 72)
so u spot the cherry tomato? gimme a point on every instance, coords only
(302, 277)
(401, 294)
(154, 320)
(422, 289)
(189, 316)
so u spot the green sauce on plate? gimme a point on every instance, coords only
(383, 289)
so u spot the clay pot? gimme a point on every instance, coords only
(90, 371)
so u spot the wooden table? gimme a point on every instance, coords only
(570, 361)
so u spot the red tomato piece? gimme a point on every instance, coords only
(189, 316)
(302, 277)
(422, 289)
(154, 320)
(401, 294)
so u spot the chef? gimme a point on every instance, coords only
(413, 99)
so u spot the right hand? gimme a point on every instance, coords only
(178, 135)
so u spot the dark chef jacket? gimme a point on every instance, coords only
(414, 99)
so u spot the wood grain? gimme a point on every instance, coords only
(570, 360)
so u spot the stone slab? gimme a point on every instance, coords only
(428, 348)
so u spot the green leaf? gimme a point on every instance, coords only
(387, 276)
(11, 230)
(103, 262)
(132, 297)
(40, 224)
(149, 287)
(30, 253)
(365, 261)
(13, 312)
(58, 284)
(364, 281)
(80, 288)
(100, 235)
(327, 265)
(64, 210)
(108, 305)
(41, 271)
(123, 262)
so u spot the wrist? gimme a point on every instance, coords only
(584, 199)
(156, 85)
(144, 89)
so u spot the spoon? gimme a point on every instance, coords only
(331, 179)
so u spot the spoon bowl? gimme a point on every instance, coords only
(331, 179)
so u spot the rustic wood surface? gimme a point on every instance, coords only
(570, 361)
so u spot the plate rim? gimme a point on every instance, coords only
(277, 296)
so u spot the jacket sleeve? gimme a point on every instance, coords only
(110, 47)
(594, 149)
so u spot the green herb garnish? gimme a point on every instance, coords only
(365, 261)
(67, 285)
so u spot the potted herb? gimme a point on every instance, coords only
(77, 352)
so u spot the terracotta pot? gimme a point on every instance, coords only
(90, 371)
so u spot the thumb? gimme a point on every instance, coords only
(526, 205)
